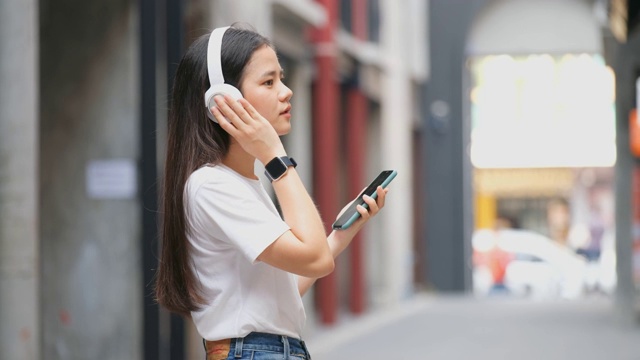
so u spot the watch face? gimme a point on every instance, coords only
(276, 168)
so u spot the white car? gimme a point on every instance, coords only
(539, 268)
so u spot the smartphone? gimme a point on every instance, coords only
(351, 214)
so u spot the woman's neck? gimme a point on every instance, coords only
(240, 161)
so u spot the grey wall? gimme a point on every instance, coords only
(626, 64)
(19, 262)
(550, 26)
(90, 254)
(448, 206)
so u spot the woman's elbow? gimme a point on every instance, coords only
(329, 266)
(322, 267)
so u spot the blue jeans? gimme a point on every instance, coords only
(257, 346)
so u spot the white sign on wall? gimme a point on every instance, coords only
(111, 179)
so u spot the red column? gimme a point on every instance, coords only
(357, 114)
(325, 146)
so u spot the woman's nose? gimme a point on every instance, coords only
(286, 94)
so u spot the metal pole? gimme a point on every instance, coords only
(148, 175)
(175, 50)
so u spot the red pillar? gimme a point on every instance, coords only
(356, 159)
(325, 146)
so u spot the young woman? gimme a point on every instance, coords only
(228, 258)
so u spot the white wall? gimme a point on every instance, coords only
(396, 150)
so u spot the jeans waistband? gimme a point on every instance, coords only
(267, 342)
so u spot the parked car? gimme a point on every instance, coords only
(534, 265)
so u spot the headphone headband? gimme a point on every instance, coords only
(214, 61)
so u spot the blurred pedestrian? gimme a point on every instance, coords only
(559, 219)
(227, 256)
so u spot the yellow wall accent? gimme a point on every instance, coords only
(524, 182)
(485, 211)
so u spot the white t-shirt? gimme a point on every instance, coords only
(231, 220)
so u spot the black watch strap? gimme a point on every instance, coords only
(278, 166)
(289, 161)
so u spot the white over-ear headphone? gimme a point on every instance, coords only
(216, 79)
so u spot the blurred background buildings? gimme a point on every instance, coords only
(495, 113)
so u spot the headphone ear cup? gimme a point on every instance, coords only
(219, 89)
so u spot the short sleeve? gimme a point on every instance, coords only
(237, 213)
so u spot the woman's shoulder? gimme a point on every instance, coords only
(208, 174)
(207, 170)
(217, 177)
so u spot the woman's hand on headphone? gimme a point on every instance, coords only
(250, 129)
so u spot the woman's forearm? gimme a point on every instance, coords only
(338, 240)
(299, 211)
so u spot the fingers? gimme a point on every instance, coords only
(231, 110)
(382, 196)
(374, 204)
(240, 109)
(223, 121)
(378, 203)
(371, 203)
(250, 110)
(364, 213)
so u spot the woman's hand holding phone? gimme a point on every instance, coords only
(250, 129)
(374, 206)
(352, 213)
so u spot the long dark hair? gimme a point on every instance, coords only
(193, 140)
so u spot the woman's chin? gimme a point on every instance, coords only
(283, 129)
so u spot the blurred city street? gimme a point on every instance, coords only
(512, 229)
(460, 327)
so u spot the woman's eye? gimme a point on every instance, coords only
(268, 82)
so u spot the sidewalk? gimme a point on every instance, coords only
(434, 327)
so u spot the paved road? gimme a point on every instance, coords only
(430, 327)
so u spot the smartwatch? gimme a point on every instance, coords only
(276, 168)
